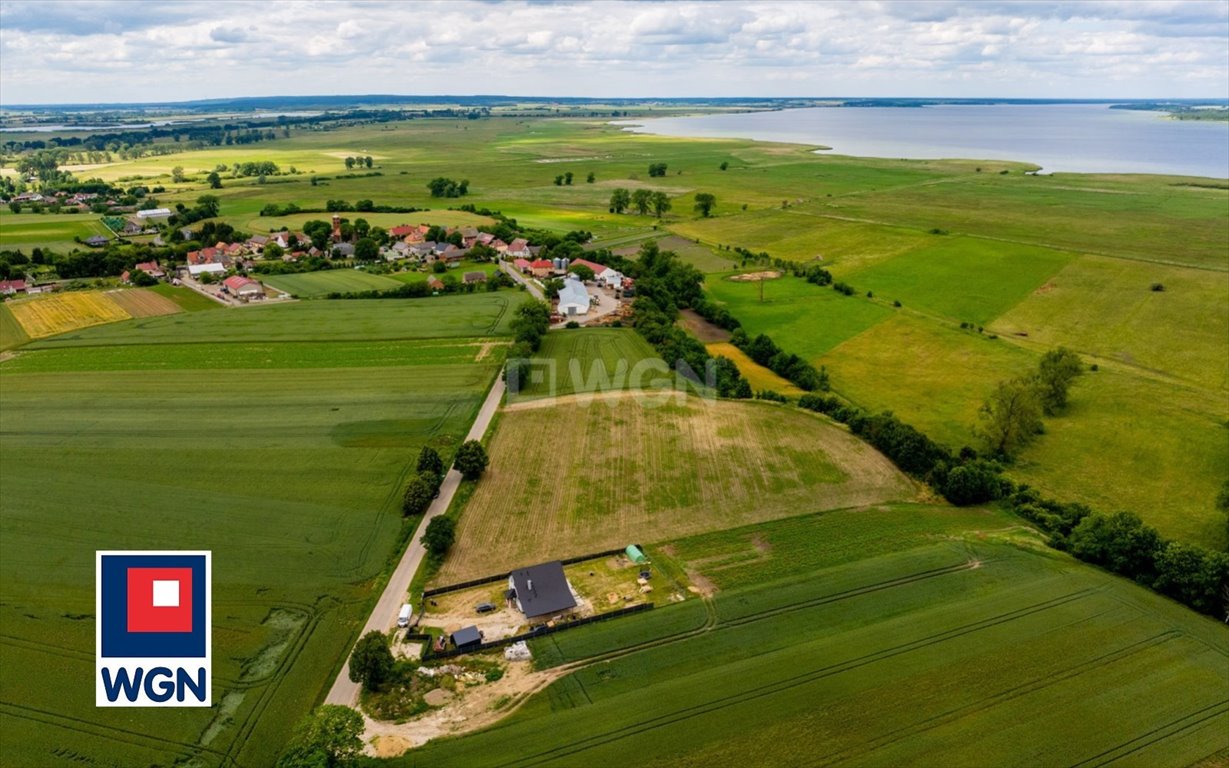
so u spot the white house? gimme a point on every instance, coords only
(573, 298)
(610, 278)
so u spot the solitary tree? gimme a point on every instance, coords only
(471, 460)
(724, 165)
(661, 204)
(620, 199)
(429, 461)
(349, 163)
(705, 201)
(567, 178)
(590, 178)
(372, 662)
(440, 534)
(1058, 369)
(559, 180)
(177, 174)
(330, 737)
(1010, 417)
(215, 181)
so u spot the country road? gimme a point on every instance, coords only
(530, 286)
(384, 615)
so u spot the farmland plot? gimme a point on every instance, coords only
(633, 469)
(975, 650)
(48, 315)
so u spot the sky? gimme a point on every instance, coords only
(62, 51)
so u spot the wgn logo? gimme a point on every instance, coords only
(153, 636)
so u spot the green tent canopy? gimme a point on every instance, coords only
(635, 555)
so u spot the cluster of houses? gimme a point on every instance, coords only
(79, 200)
(150, 268)
(14, 287)
(574, 297)
(410, 243)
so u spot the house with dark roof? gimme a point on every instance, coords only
(97, 241)
(474, 277)
(541, 592)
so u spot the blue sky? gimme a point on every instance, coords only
(57, 52)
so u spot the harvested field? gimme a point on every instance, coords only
(49, 315)
(701, 328)
(11, 333)
(142, 303)
(636, 468)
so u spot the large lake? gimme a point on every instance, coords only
(1079, 138)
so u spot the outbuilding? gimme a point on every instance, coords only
(573, 298)
(467, 638)
(243, 287)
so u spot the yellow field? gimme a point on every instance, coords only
(757, 376)
(139, 302)
(49, 315)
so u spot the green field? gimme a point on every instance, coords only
(855, 637)
(369, 320)
(593, 360)
(187, 299)
(26, 231)
(285, 458)
(311, 285)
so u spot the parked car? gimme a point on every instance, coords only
(485, 607)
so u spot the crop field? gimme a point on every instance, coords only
(759, 377)
(594, 360)
(139, 302)
(52, 314)
(11, 333)
(187, 299)
(369, 320)
(415, 276)
(26, 231)
(315, 284)
(285, 458)
(888, 649)
(651, 467)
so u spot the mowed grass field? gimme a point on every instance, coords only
(315, 284)
(567, 478)
(882, 636)
(285, 458)
(580, 361)
(27, 231)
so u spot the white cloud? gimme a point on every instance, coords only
(106, 51)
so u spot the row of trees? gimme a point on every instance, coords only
(1010, 418)
(764, 351)
(351, 162)
(641, 200)
(565, 179)
(442, 186)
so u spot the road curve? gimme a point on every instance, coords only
(384, 616)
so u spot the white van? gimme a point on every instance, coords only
(403, 618)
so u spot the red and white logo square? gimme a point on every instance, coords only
(159, 599)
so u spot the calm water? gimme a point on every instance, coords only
(1079, 138)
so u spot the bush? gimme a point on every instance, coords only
(974, 482)
(419, 493)
(1158, 287)
(429, 461)
(843, 288)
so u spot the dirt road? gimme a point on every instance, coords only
(384, 616)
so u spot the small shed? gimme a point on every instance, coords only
(467, 638)
(636, 555)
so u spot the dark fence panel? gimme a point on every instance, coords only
(541, 631)
(504, 576)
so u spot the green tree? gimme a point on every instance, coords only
(725, 164)
(559, 180)
(349, 163)
(567, 178)
(1058, 369)
(1010, 417)
(582, 272)
(590, 178)
(367, 161)
(620, 199)
(366, 250)
(419, 493)
(15, 207)
(330, 737)
(272, 252)
(439, 536)
(1192, 575)
(429, 461)
(642, 200)
(215, 181)
(177, 174)
(705, 202)
(471, 460)
(1120, 542)
(661, 204)
(371, 663)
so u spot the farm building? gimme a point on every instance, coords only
(210, 267)
(542, 268)
(151, 268)
(522, 265)
(152, 214)
(596, 268)
(541, 591)
(474, 277)
(10, 287)
(518, 248)
(243, 287)
(573, 298)
(467, 638)
(97, 241)
(636, 555)
(610, 278)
